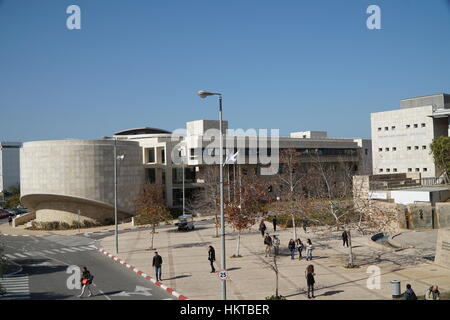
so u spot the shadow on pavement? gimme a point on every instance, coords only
(179, 277)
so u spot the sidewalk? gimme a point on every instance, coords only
(186, 268)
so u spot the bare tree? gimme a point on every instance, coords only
(151, 208)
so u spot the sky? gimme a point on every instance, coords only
(293, 65)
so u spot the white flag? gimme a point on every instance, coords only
(232, 158)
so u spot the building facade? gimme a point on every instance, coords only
(9, 165)
(401, 138)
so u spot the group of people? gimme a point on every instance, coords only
(274, 242)
(432, 293)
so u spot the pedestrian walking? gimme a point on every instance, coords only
(433, 293)
(300, 247)
(345, 238)
(276, 245)
(304, 225)
(157, 264)
(212, 258)
(409, 294)
(291, 246)
(268, 242)
(86, 281)
(310, 281)
(309, 249)
(262, 228)
(274, 222)
(10, 220)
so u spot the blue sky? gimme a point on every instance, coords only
(289, 64)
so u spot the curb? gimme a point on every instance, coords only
(142, 274)
(21, 235)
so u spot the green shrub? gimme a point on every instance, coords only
(64, 226)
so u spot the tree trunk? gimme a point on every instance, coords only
(350, 250)
(276, 274)
(153, 236)
(216, 225)
(238, 244)
(294, 226)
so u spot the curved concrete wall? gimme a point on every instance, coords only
(58, 178)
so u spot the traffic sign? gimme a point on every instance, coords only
(223, 275)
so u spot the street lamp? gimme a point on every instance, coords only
(116, 157)
(181, 149)
(203, 94)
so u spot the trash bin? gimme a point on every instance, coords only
(396, 290)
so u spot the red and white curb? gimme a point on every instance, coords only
(21, 235)
(144, 275)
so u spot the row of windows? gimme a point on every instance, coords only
(395, 170)
(416, 125)
(407, 148)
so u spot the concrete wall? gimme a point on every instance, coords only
(24, 218)
(421, 216)
(443, 248)
(79, 169)
(443, 215)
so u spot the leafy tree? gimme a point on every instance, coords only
(243, 212)
(151, 208)
(440, 149)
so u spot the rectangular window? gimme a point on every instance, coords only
(379, 129)
(151, 175)
(408, 148)
(387, 149)
(395, 169)
(425, 169)
(424, 147)
(416, 148)
(366, 151)
(416, 125)
(386, 128)
(151, 155)
(423, 125)
(380, 149)
(393, 128)
(388, 170)
(408, 126)
(394, 149)
(409, 169)
(417, 170)
(381, 170)
(192, 153)
(163, 156)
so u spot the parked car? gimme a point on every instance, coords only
(4, 214)
(185, 223)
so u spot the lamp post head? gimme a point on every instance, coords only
(203, 94)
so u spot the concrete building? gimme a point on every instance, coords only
(9, 165)
(63, 179)
(401, 138)
(59, 178)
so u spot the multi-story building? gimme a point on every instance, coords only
(9, 165)
(200, 148)
(401, 138)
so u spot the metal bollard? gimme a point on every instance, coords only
(396, 289)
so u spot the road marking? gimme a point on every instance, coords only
(10, 256)
(67, 249)
(20, 255)
(16, 287)
(48, 252)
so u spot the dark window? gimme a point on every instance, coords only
(163, 156)
(192, 153)
(366, 151)
(151, 175)
(151, 155)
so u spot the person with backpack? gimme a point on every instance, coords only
(409, 293)
(310, 281)
(262, 228)
(157, 264)
(86, 281)
(212, 258)
(268, 242)
(291, 247)
(276, 245)
(300, 247)
(309, 249)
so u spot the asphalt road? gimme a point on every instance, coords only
(45, 261)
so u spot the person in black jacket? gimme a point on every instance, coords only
(345, 238)
(310, 281)
(409, 294)
(86, 281)
(157, 263)
(212, 258)
(262, 228)
(274, 222)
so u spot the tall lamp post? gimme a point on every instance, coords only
(116, 157)
(203, 94)
(183, 158)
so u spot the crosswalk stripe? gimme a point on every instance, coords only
(48, 252)
(67, 249)
(10, 256)
(20, 255)
(16, 287)
(77, 249)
